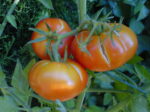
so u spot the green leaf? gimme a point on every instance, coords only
(138, 7)
(1, 27)
(8, 105)
(126, 67)
(116, 8)
(120, 86)
(135, 59)
(20, 83)
(44, 101)
(136, 26)
(139, 105)
(143, 13)
(3, 82)
(130, 2)
(104, 81)
(29, 66)
(47, 3)
(142, 72)
(143, 43)
(107, 98)
(117, 77)
(94, 109)
(12, 20)
(70, 104)
(37, 40)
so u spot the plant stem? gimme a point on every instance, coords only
(82, 10)
(80, 98)
(80, 101)
(109, 91)
(13, 6)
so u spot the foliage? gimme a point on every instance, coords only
(124, 90)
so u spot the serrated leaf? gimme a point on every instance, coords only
(47, 3)
(12, 20)
(107, 98)
(29, 66)
(142, 72)
(135, 59)
(143, 13)
(7, 104)
(20, 83)
(18, 79)
(136, 26)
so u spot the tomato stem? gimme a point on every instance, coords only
(82, 10)
(10, 11)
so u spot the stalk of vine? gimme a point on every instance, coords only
(82, 10)
(10, 11)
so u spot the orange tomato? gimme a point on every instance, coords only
(110, 54)
(58, 25)
(57, 80)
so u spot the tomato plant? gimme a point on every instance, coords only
(56, 80)
(106, 53)
(56, 25)
(100, 45)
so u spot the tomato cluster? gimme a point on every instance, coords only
(65, 80)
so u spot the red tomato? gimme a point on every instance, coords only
(57, 25)
(109, 55)
(56, 80)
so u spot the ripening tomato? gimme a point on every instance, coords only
(58, 25)
(57, 80)
(110, 54)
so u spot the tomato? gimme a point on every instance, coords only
(57, 25)
(110, 54)
(57, 80)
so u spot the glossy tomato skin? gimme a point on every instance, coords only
(56, 80)
(108, 56)
(56, 24)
